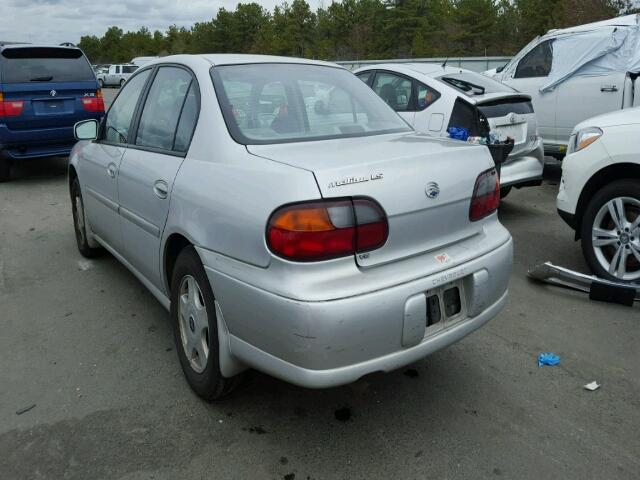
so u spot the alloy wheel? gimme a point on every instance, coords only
(615, 235)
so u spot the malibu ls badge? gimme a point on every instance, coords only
(352, 180)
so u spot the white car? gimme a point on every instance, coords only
(600, 193)
(116, 75)
(432, 98)
(576, 73)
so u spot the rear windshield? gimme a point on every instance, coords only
(472, 84)
(24, 65)
(274, 103)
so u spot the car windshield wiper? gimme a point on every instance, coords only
(42, 78)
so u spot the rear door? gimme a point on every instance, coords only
(397, 91)
(51, 83)
(149, 167)
(100, 162)
(582, 97)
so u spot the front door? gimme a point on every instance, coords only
(529, 75)
(100, 164)
(148, 169)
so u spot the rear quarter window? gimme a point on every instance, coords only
(44, 64)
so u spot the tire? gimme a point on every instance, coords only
(614, 253)
(504, 191)
(122, 82)
(194, 322)
(79, 222)
(101, 84)
(5, 168)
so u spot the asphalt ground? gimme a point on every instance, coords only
(86, 344)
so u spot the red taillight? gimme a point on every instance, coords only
(94, 104)
(327, 229)
(10, 108)
(486, 195)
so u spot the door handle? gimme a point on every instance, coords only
(112, 170)
(161, 189)
(609, 88)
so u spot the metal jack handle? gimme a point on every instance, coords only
(550, 273)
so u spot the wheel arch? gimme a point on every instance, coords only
(611, 173)
(175, 243)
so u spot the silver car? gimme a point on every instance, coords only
(316, 245)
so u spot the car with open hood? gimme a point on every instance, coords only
(316, 245)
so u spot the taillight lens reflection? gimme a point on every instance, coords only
(486, 195)
(327, 229)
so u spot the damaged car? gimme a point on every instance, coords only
(434, 98)
(317, 247)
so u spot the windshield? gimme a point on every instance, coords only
(44, 64)
(472, 84)
(274, 103)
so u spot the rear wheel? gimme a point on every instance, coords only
(195, 328)
(5, 168)
(611, 231)
(101, 83)
(122, 82)
(79, 222)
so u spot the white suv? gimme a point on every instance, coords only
(600, 193)
(116, 75)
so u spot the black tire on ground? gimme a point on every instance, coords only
(101, 83)
(79, 224)
(208, 384)
(122, 82)
(5, 168)
(504, 191)
(619, 188)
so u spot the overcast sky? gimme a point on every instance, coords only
(56, 21)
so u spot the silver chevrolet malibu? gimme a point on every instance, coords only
(315, 241)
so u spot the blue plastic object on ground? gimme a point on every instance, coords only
(458, 133)
(548, 358)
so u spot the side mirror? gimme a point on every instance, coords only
(86, 130)
(500, 68)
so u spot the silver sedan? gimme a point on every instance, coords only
(315, 242)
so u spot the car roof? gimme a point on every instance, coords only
(432, 70)
(236, 59)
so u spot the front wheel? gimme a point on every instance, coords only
(101, 83)
(195, 328)
(611, 231)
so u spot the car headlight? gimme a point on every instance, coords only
(584, 138)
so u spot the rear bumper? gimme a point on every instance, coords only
(523, 170)
(37, 143)
(319, 344)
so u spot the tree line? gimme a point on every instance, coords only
(360, 29)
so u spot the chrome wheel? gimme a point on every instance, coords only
(194, 324)
(615, 236)
(80, 218)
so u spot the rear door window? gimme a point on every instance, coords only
(395, 90)
(44, 64)
(187, 123)
(159, 120)
(536, 63)
(118, 121)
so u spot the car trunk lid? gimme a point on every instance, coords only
(423, 184)
(510, 115)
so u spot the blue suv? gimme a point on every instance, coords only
(44, 91)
